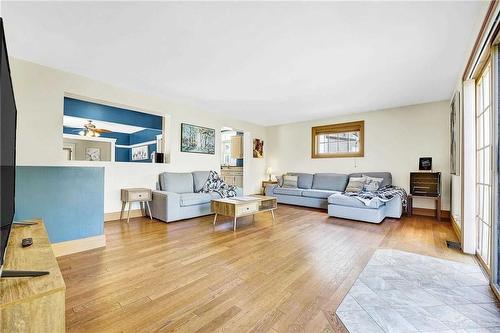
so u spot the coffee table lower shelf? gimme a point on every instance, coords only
(244, 206)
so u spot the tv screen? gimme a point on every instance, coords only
(8, 115)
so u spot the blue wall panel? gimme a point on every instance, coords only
(122, 154)
(69, 199)
(144, 136)
(82, 109)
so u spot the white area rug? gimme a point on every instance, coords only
(406, 292)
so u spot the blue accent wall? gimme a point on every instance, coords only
(70, 200)
(122, 154)
(82, 109)
(144, 136)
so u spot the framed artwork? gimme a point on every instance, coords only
(197, 139)
(140, 153)
(455, 134)
(425, 163)
(92, 154)
(258, 148)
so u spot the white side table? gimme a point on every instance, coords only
(141, 195)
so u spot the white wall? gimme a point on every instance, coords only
(39, 93)
(394, 140)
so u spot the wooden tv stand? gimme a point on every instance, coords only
(32, 304)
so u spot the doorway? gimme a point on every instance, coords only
(232, 156)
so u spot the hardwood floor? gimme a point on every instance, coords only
(191, 277)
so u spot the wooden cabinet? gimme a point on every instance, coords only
(33, 304)
(237, 146)
(233, 176)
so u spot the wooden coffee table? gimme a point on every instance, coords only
(243, 206)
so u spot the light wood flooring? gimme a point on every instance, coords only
(188, 276)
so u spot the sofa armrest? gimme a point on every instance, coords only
(394, 208)
(165, 205)
(270, 189)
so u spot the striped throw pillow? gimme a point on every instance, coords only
(290, 181)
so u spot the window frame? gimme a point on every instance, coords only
(354, 126)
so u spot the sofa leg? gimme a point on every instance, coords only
(215, 218)
(234, 224)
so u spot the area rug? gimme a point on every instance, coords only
(406, 292)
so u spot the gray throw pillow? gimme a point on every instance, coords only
(290, 181)
(279, 179)
(372, 184)
(355, 184)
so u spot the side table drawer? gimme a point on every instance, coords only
(249, 208)
(128, 196)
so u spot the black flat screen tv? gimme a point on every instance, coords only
(8, 116)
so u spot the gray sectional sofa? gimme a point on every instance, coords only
(324, 190)
(177, 196)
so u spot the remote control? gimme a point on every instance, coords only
(27, 242)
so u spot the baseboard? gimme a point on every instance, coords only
(445, 214)
(116, 215)
(456, 227)
(495, 289)
(78, 245)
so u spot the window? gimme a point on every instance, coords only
(338, 140)
(484, 166)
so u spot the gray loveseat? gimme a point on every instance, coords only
(324, 190)
(177, 196)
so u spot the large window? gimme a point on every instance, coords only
(484, 166)
(338, 140)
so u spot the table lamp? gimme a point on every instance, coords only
(269, 170)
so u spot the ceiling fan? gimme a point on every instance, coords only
(89, 129)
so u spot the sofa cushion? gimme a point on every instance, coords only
(305, 179)
(199, 179)
(321, 194)
(387, 176)
(191, 199)
(288, 191)
(177, 182)
(344, 200)
(330, 181)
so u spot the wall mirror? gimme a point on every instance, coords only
(98, 132)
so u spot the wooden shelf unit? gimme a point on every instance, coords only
(425, 185)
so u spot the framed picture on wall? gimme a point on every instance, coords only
(92, 154)
(197, 139)
(258, 148)
(140, 153)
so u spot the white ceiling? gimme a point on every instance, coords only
(267, 63)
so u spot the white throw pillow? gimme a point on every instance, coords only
(372, 184)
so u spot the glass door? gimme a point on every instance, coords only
(484, 166)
